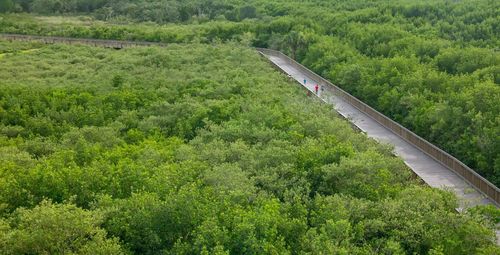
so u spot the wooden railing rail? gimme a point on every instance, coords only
(92, 42)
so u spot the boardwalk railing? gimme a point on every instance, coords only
(66, 40)
(468, 174)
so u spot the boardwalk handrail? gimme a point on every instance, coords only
(441, 156)
(118, 44)
(468, 174)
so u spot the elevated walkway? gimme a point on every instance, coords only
(431, 171)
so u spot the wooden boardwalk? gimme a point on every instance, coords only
(431, 171)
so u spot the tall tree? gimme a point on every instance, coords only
(294, 41)
(6, 5)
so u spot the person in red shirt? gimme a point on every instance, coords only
(316, 87)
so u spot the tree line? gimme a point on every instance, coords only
(155, 11)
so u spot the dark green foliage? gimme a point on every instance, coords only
(248, 12)
(6, 6)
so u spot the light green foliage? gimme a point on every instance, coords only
(55, 229)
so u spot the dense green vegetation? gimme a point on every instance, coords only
(200, 149)
(433, 66)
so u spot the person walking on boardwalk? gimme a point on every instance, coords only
(316, 88)
(305, 81)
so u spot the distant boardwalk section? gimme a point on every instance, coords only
(92, 42)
